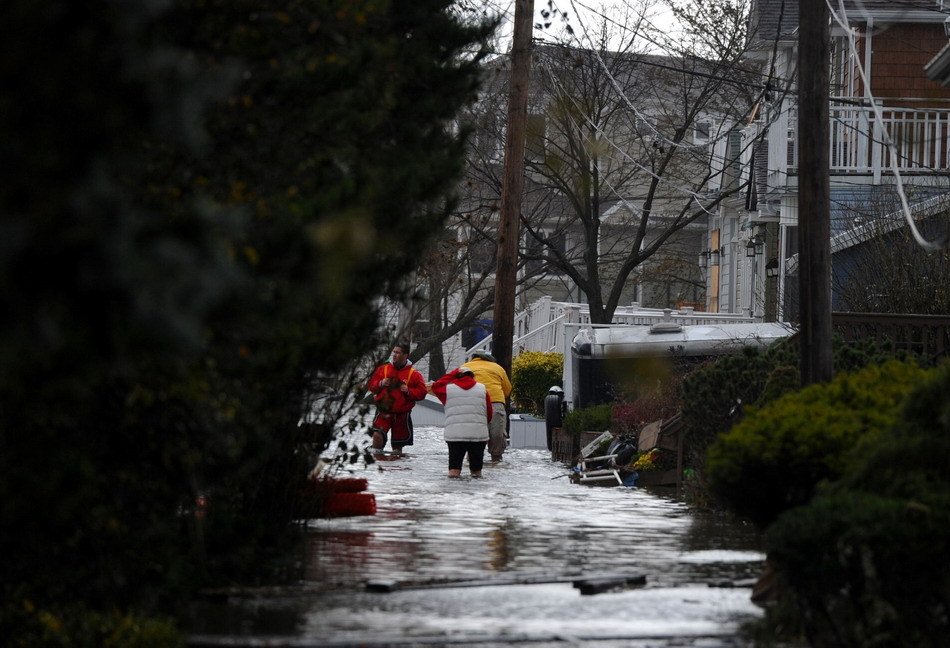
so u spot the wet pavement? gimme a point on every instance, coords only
(524, 533)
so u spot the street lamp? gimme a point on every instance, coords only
(714, 257)
(771, 268)
(703, 259)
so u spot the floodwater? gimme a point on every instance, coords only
(523, 532)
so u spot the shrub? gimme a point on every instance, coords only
(716, 393)
(659, 403)
(857, 569)
(24, 624)
(533, 373)
(595, 418)
(773, 459)
(784, 379)
(865, 562)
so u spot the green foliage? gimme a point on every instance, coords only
(23, 625)
(716, 394)
(782, 380)
(858, 569)
(533, 373)
(201, 206)
(589, 419)
(775, 458)
(910, 462)
(865, 562)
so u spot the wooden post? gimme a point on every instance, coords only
(512, 186)
(679, 459)
(814, 220)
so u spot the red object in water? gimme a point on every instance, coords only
(347, 504)
(342, 497)
(342, 485)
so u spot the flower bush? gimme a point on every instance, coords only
(661, 402)
(647, 461)
(533, 373)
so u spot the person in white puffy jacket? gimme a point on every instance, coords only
(468, 410)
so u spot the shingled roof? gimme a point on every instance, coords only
(773, 19)
(778, 19)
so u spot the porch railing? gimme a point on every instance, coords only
(921, 139)
(925, 335)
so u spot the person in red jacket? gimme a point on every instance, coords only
(396, 386)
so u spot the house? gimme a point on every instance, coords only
(889, 131)
(601, 126)
(618, 170)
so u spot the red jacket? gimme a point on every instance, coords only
(392, 399)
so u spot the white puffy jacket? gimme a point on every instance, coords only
(466, 415)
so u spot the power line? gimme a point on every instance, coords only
(888, 140)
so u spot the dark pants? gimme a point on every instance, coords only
(475, 451)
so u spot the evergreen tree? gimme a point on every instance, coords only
(205, 198)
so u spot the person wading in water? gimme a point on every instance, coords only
(396, 386)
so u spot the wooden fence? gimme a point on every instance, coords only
(925, 335)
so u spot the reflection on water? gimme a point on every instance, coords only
(524, 517)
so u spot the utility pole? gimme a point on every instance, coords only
(814, 216)
(512, 186)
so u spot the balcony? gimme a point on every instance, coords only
(920, 137)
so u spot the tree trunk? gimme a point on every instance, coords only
(436, 356)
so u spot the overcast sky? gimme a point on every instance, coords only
(585, 18)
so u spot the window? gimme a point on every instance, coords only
(840, 72)
(645, 126)
(536, 131)
(702, 131)
(486, 143)
(481, 255)
(733, 169)
(537, 254)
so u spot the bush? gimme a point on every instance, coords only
(716, 393)
(595, 418)
(210, 260)
(863, 570)
(784, 379)
(774, 459)
(661, 402)
(865, 563)
(533, 373)
(24, 624)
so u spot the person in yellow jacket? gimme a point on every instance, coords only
(493, 376)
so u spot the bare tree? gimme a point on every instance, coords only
(619, 175)
(456, 277)
(879, 266)
(624, 164)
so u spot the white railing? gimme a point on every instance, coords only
(921, 139)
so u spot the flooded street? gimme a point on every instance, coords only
(524, 522)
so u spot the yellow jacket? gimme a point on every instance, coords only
(493, 376)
